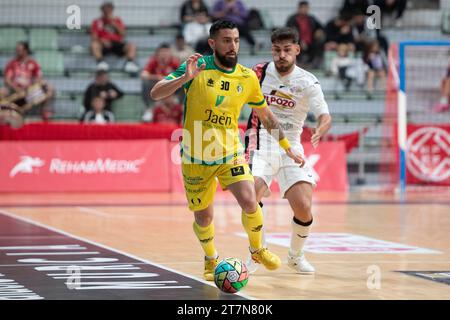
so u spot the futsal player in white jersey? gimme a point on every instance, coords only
(291, 93)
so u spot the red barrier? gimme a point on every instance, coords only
(85, 166)
(135, 165)
(75, 131)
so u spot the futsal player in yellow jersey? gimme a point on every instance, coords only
(216, 89)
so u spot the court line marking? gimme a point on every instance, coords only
(92, 264)
(93, 211)
(67, 234)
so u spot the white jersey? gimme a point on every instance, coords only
(290, 98)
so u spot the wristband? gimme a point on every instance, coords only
(284, 143)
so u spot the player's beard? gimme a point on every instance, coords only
(227, 62)
(283, 68)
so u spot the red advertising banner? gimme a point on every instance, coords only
(136, 165)
(132, 165)
(328, 162)
(428, 154)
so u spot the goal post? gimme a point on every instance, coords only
(418, 65)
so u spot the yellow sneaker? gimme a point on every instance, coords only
(268, 259)
(210, 266)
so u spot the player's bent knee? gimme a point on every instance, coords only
(302, 211)
(203, 220)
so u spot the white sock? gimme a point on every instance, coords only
(298, 237)
(444, 100)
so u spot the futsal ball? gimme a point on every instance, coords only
(231, 275)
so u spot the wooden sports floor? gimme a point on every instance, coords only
(364, 245)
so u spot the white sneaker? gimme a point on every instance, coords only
(102, 65)
(300, 264)
(131, 67)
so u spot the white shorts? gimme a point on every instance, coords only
(276, 165)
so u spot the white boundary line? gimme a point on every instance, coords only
(12, 215)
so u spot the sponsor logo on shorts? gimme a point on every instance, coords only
(237, 171)
(196, 201)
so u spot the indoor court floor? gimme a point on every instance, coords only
(364, 245)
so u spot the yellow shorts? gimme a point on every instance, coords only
(200, 181)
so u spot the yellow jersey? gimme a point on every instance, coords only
(212, 106)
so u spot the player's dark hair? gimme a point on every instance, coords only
(283, 34)
(303, 3)
(219, 25)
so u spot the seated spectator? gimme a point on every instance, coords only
(196, 33)
(312, 36)
(108, 36)
(101, 87)
(341, 67)
(362, 34)
(354, 7)
(190, 9)
(235, 10)
(25, 86)
(181, 50)
(337, 31)
(98, 114)
(443, 104)
(158, 67)
(376, 62)
(392, 11)
(168, 110)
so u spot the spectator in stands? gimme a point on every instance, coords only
(354, 7)
(363, 35)
(376, 62)
(235, 11)
(158, 67)
(101, 87)
(196, 33)
(392, 11)
(98, 114)
(24, 83)
(108, 36)
(181, 50)
(312, 35)
(443, 104)
(337, 31)
(168, 111)
(341, 67)
(190, 9)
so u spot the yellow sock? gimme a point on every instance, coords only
(206, 237)
(253, 224)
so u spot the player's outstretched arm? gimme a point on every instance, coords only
(272, 125)
(165, 87)
(323, 125)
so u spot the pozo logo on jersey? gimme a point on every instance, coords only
(282, 102)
